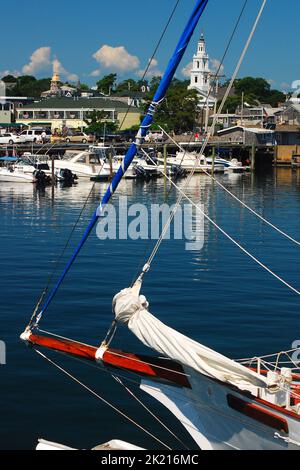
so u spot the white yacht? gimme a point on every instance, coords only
(98, 162)
(232, 165)
(192, 161)
(11, 173)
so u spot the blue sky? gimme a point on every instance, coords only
(83, 36)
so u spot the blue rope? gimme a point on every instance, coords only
(146, 123)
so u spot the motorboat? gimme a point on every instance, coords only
(11, 173)
(233, 165)
(192, 161)
(98, 162)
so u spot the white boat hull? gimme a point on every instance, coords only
(87, 172)
(214, 425)
(7, 176)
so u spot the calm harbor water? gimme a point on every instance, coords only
(216, 295)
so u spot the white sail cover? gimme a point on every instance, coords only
(131, 308)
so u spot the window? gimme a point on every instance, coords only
(82, 159)
(94, 159)
(196, 79)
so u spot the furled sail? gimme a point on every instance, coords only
(132, 309)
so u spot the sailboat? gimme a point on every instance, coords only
(222, 403)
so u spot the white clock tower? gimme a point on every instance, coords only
(201, 74)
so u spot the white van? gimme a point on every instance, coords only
(35, 135)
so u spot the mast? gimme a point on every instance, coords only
(146, 124)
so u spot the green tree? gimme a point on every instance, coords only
(258, 89)
(179, 110)
(9, 79)
(128, 85)
(107, 83)
(97, 123)
(84, 87)
(28, 85)
(155, 81)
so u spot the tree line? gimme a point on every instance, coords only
(179, 112)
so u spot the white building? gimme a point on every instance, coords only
(201, 75)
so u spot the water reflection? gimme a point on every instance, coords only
(214, 295)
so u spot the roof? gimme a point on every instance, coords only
(78, 103)
(9, 124)
(254, 130)
(225, 115)
(8, 159)
(296, 107)
(130, 94)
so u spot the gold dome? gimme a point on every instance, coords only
(55, 78)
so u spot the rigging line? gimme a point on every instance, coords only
(280, 279)
(256, 358)
(152, 57)
(101, 398)
(206, 140)
(215, 76)
(235, 74)
(51, 275)
(206, 102)
(173, 212)
(149, 411)
(119, 378)
(236, 198)
(159, 96)
(147, 244)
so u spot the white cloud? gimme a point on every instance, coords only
(186, 71)
(15, 73)
(60, 70)
(285, 86)
(39, 60)
(95, 73)
(153, 70)
(42, 60)
(116, 58)
(215, 66)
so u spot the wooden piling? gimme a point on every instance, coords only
(52, 171)
(253, 153)
(165, 158)
(213, 160)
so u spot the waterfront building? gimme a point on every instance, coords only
(201, 75)
(290, 115)
(6, 112)
(73, 112)
(287, 135)
(8, 106)
(247, 136)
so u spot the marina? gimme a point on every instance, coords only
(149, 284)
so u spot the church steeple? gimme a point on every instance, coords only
(200, 74)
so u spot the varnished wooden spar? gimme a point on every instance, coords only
(146, 366)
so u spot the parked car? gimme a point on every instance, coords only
(35, 135)
(9, 138)
(79, 137)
